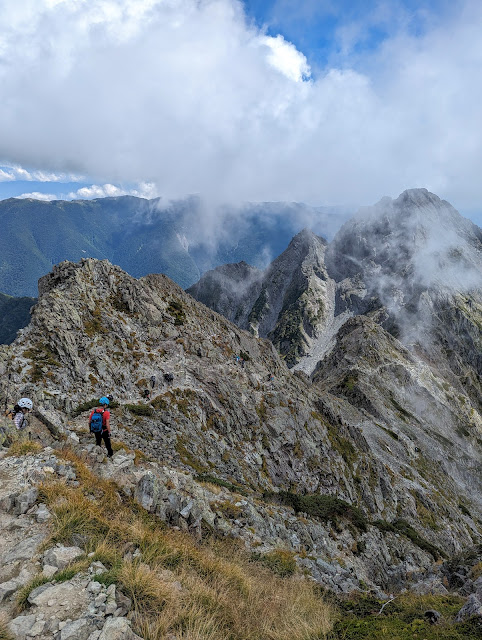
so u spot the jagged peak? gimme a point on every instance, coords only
(307, 236)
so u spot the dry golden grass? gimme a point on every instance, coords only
(4, 632)
(23, 447)
(211, 591)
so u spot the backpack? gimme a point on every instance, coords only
(11, 413)
(96, 422)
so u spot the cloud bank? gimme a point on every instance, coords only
(191, 97)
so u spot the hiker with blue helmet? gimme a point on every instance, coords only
(99, 424)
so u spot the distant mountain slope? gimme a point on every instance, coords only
(14, 315)
(45, 233)
(181, 239)
(412, 264)
(288, 302)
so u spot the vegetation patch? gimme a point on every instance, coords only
(4, 632)
(23, 448)
(367, 618)
(261, 410)
(140, 409)
(206, 477)
(342, 445)
(176, 310)
(405, 529)
(224, 595)
(41, 357)
(279, 561)
(94, 325)
(160, 402)
(228, 509)
(323, 507)
(404, 414)
(187, 457)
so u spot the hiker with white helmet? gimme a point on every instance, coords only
(20, 411)
(99, 423)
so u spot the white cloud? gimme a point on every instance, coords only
(10, 174)
(185, 94)
(37, 195)
(144, 190)
(286, 58)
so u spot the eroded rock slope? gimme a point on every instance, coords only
(328, 470)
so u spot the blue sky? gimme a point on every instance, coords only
(316, 27)
(321, 101)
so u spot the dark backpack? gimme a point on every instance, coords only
(11, 413)
(96, 422)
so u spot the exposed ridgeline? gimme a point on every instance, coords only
(394, 329)
(418, 263)
(409, 475)
(290, 302)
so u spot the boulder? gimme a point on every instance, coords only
(473, 607)
(118, 629)
(78, 629)
(60, 557)
(20, 626)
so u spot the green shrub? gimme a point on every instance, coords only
(366, 618)
(324, 507)
(206, 477)
(278, 561)
(140, 409)
(177, 312)
(405, 529)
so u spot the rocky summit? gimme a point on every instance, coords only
(326, 419)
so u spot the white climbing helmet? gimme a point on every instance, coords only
(25, 403)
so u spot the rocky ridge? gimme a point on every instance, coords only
(286, 451)
(74, 601)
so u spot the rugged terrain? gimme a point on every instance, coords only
(361, 462)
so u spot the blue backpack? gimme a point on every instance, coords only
(96, 421)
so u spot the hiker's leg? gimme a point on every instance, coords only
(106, 437)
(98, 439)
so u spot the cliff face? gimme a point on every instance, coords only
(291, 302)
(368, 465)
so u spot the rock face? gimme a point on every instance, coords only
(291, 303)
(369, 469)
(400, 339)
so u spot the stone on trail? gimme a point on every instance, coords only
(61, 556)
(118, 629)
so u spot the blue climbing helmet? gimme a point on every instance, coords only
(104, 400)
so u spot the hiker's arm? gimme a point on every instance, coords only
(107, 423)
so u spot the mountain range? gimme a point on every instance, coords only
(181, 238)
(324, 410)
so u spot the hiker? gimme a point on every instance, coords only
(20, 411)
(146, 394)
(153, 381)
(99, 423)
(169, 377)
